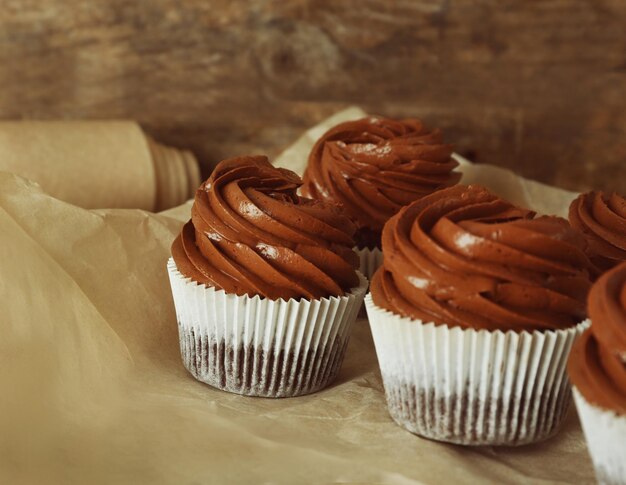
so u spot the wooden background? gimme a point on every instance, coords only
(536, 86)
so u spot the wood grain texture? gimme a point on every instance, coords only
(536, 86)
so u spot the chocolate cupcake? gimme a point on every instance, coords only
(264, 283)
(473, 314)
(373, 167)
(602, 219)
(597, 369)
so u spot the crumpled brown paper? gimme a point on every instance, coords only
(93, 390)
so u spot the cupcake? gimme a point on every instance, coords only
(602, 219)
(373, 167)
(473, 315)
(597, 369)
(264, 283)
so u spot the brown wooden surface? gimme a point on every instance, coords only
(536, 86)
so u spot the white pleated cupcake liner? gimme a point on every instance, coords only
(370, 261)
(472, 387)
(605, 432)
(261, 347)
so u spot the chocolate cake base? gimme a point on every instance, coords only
(255, 371)
(465, 419)
(368, 238)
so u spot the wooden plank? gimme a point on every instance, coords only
(537, 86)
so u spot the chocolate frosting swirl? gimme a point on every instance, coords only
(464, 257)
(597, 364)
(602, 219)
(250, 233)
(374, 166)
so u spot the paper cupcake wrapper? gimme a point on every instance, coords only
(370, 260)
(261, 347)
(472, 387)
(605, 432)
